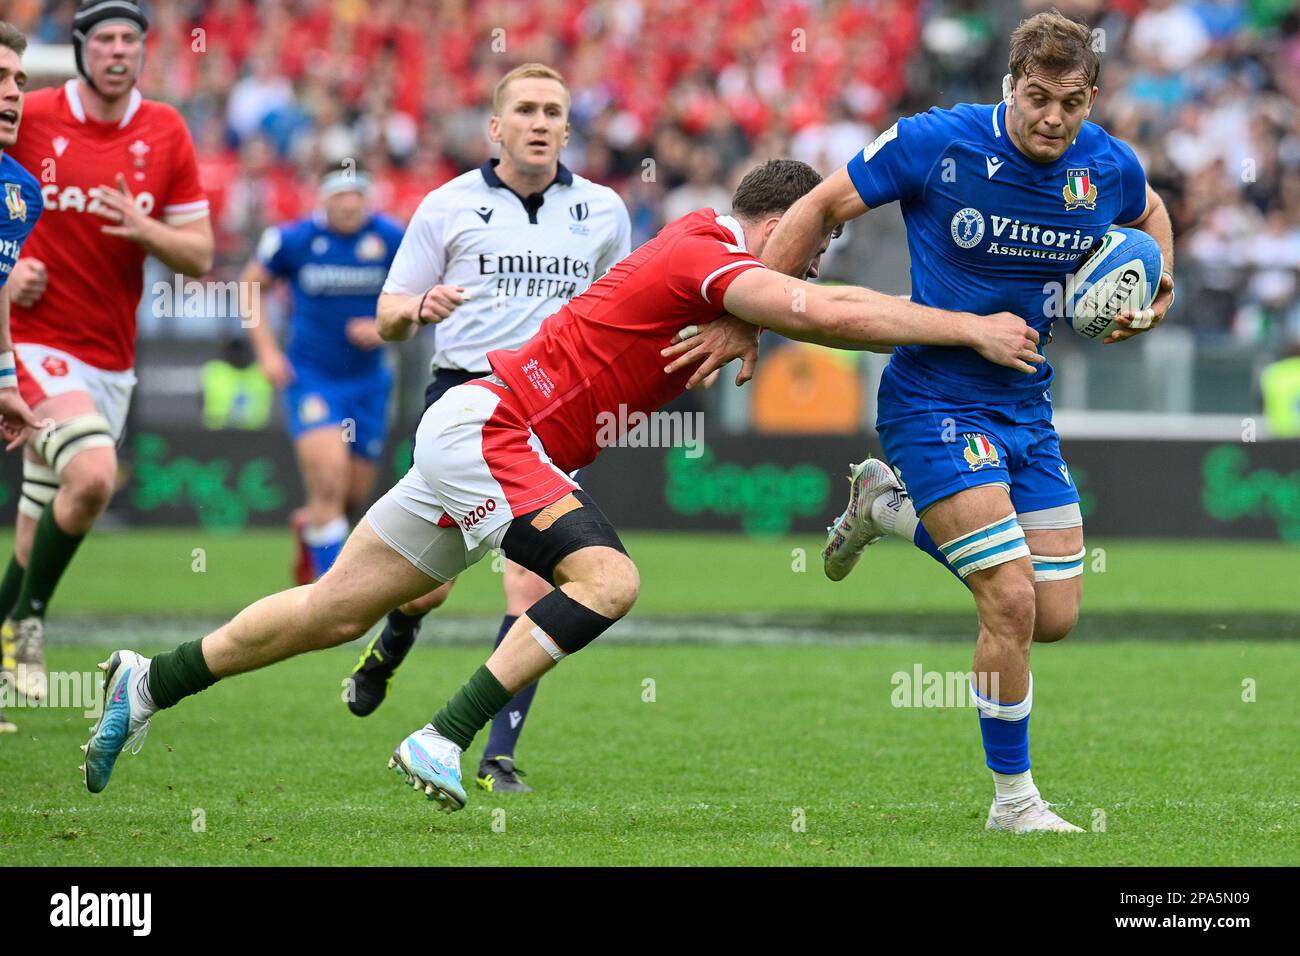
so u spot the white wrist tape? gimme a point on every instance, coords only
(8, 370)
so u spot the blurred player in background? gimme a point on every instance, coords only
(120, 182)
(23, 204)
(334, 377)
(1001, 202)
(485, 258)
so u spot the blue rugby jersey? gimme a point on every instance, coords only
(23, 206)
(333, 278)
(988, 228)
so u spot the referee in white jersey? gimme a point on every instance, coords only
(486, 258)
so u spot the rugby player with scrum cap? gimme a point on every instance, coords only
(120, 182)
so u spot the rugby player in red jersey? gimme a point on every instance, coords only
(492, 464)
(120, 181)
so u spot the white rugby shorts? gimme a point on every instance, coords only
(477, 465)
(44, 372)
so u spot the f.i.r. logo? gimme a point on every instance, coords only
(14, 201)
(1079, 190)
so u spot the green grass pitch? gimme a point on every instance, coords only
(1166, 725)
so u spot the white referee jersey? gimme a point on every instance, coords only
(519, 259)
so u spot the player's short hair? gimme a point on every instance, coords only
(772, 188)
(527, 71)
(1054, 44)
(13, 38)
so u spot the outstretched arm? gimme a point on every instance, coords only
(851, 317)
(843, 317)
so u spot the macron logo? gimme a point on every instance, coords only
(485, 213)
(515, 718)
(103, 909)
(993, 165)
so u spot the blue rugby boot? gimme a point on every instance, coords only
(124, 721)
(430, 762)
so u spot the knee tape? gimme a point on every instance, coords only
(1052, 519)
(987, 547)
(540, 539)
(40, 484)
(59, 445)
(563, 626)
(1058, 568)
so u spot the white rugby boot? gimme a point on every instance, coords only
(30, 675)
(855, 528)
(125, 718)
(430, 762)
(1031, 815)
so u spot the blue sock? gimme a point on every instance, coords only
(324, 543)
(926, 543)
(1005, 730)
(509, 721)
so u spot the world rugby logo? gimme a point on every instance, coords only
(967, 227)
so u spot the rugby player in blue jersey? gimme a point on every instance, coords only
(1001, 203)
(333, 372)
(24, 205)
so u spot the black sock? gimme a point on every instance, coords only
(399, 633)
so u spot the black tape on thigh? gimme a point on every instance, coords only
(571, 625)
(541, 539)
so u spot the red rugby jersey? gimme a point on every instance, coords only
(95, 281)
(600, 352)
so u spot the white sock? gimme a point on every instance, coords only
(1013, 787)
(332, 532)
(900, 520)
(141, 691)
(438, 733)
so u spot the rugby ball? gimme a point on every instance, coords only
(1123, 272)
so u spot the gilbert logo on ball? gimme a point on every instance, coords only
(1122, 273)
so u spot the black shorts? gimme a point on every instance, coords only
(445, 378)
